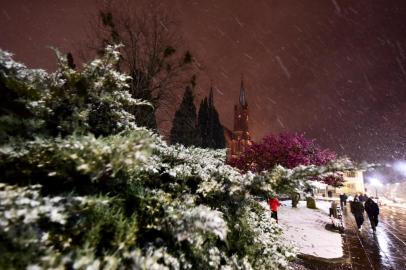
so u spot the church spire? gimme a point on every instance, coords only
(240, 138)
(243, 99)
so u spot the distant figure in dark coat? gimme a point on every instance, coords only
(357, 209)
(372, 210)
(363, 198)
(343, 200)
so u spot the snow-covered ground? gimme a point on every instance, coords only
(327, 198)
(387, 202)
(324, 206)
(305, 228)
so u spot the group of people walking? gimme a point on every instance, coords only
(359, 205)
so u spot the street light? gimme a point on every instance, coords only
(376, 183)
(400, 166)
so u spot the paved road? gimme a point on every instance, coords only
(384, 250)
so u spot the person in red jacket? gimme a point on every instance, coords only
(274, 204)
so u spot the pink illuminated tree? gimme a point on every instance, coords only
(287, 150)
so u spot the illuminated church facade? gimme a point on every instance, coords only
(239, 138)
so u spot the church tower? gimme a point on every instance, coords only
(240, 136)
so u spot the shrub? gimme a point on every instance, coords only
(311, 203)
(94, 99)
(151, 215)
(84, 188)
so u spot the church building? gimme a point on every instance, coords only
(239, 138)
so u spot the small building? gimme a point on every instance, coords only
(353, 184)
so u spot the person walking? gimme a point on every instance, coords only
(363, 198)
(333, 209)
(372, 210)
(357, 209)
(274, 204)
(343, 200)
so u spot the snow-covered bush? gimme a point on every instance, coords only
(33, 225)
(284, 180)
(76, 160)
(161, 219)
(93, 99)
(125, 200)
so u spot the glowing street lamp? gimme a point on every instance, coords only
(400, 166)
(376, 183)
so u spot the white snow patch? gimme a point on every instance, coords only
(305, 228)
(325, 205)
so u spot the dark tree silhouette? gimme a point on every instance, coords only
(184, 128)
(210, 128)
(71, 62)
(202, 122)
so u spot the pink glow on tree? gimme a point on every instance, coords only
(287, 150)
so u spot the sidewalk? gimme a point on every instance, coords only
(356, 255)
(319, 247)
(359, 257)
(306, 229)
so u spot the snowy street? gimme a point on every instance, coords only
(386, 249)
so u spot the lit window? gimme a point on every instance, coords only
(350, 186)
(350, 174)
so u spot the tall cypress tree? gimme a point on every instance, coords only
(184, 127)
(210, 128)
(203, 122)
(219, 141)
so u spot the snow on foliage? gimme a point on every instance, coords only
(290, 151)
(83, 187)
(93, 99)
(188, 217)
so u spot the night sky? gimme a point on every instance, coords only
(335, 69)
